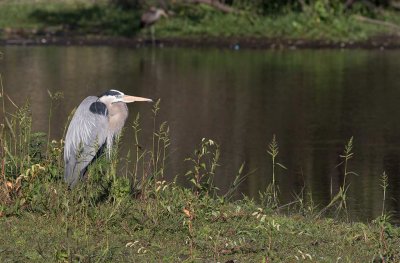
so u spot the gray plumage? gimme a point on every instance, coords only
(151, 16)
(94, 126)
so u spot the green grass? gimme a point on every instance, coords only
(18, 14)
(134, 215)
(75, 17)
(196, 21)
(158, 230)
(297, 25)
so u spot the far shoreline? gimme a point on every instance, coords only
(386, 42)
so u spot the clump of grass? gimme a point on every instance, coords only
(383, 222)
(148, 166)
(303, 204)
(384, 185)
(160, 144)
(239, 179)
(54, 98)
(340, 199)
(205, 162)
(138, 155)
(270, 196)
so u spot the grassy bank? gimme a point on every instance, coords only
(125, 211)
(175, 225)
(319, 21)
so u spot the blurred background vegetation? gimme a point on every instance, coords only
(300, 19)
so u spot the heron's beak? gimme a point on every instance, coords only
(128, 99)
(164, 14)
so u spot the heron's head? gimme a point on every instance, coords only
(114, 96)
(161, 13)
(158, 12)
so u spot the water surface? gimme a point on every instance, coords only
(314, 101)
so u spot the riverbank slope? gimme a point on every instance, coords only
(77, 23)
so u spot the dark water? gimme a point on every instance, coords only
(314, 101)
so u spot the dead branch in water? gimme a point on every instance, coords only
(377, 22)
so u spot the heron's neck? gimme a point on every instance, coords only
(117, 114)
(158, 14)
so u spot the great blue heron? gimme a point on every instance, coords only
(94, 126)
(150, 17)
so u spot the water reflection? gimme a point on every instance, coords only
(314, 101)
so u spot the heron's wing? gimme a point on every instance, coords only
(86, 135)
(148, 18)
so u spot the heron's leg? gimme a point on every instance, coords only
(148, 32)
(153, 40)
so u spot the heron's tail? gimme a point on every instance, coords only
(71, 173)
(142, 25)
(76, 168)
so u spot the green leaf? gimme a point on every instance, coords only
(241, 168)
(281, 165)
